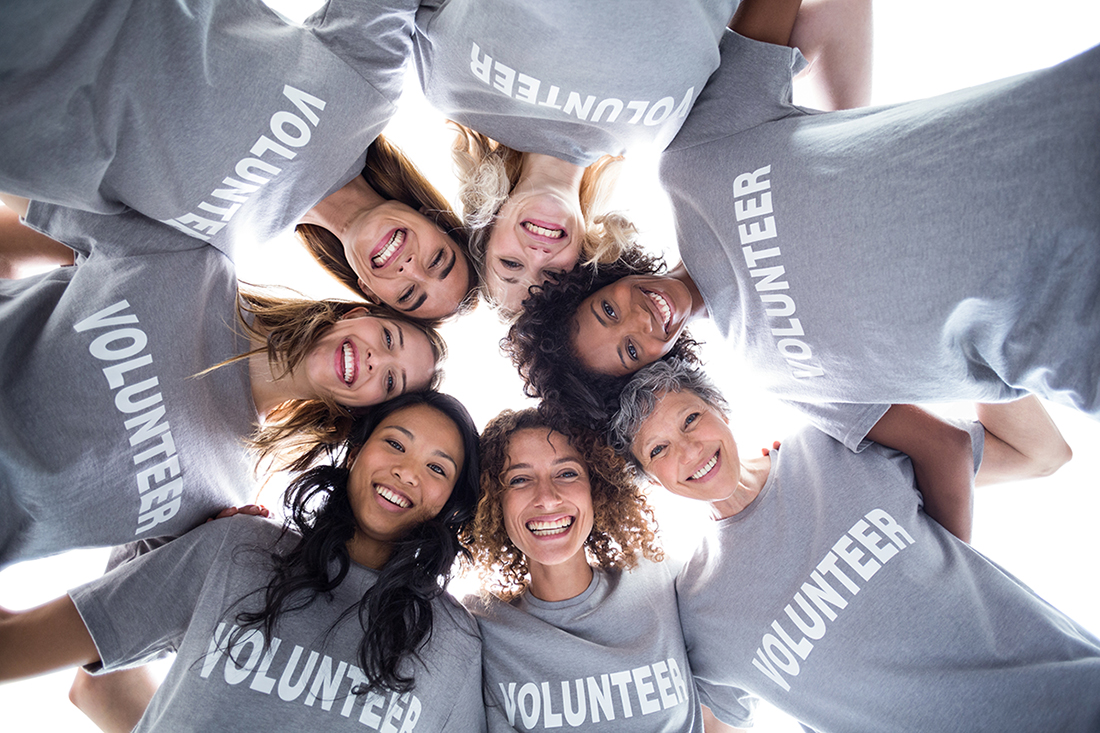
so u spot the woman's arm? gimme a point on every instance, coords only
(769, 21)
(22, 247)
(43, 639)
(943, 462)
(1021, 442)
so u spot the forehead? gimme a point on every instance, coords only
(536, 446)
(665, 416)
(427, 427)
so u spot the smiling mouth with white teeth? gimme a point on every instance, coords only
(551, 528)
(543, 231)
(349, 363)
(392, 497)
(707, 468)
(380, 259)
(662, 306)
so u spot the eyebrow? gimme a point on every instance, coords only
(556, 461)
(450, 266)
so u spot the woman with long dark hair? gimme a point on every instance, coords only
(264, 621)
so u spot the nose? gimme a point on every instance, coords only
(640, 321)
(406, 474)
(546, 494)
(411, 267)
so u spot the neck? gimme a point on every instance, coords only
(268, 390)
(754, 474)
(369, 552)
(562, 581)
(698, 305)
(545, 172)
(337, 211)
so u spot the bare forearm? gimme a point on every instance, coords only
(1022, 441)
(770, 21)
(43, 639)
(943, 463)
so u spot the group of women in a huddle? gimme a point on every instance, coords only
(136, 381)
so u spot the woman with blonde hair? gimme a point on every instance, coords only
(578, 616)
(532, 217)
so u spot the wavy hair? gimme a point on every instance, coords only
(540, 343)
(296, 433)
(489, 170)
(395, 614)
(624, 526)
(639, 399)
(395, 177)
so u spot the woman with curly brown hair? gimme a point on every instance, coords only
(579, 619)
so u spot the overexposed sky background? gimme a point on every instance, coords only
(1043, 531)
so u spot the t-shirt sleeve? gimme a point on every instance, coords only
(732, 705)
(752, 85)
(374, 38)
(143, 607)
(128, 233)
(847, 422)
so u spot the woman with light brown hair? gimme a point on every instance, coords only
(577, 605)
(391, 237)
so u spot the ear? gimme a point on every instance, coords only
(424, 210)
(368, 293)
(359, 312)
(352, 455)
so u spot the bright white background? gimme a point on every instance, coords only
(1044, 531)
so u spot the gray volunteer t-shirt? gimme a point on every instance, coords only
(217, 116)
(943, 249)
(107, 435)
(611, 659)
(304, 678)
(837, 599)
(573, 79)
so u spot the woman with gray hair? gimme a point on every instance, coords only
(800, 531)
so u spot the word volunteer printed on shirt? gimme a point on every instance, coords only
(752, 206)
(863, 551)
(593, 699)
(257, 168)
(120, 343)
(306, 675)
(515, 84)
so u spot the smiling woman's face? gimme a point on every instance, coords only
(630, 323)
(547, 499)
(686, 446)
(535, 235)
(402, 477)
(365, 360)
(406, 261)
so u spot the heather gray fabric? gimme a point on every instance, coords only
(106, 435)
(572, 79)
(215, 115)
(837, 599)
(305, 678)
(611, 659)
(943, 249)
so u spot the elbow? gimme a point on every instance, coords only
(1054, 458)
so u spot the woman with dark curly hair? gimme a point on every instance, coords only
(264, 621)
(546, 346)
(578, 618)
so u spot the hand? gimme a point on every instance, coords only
(766, 451)
(256, 510)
